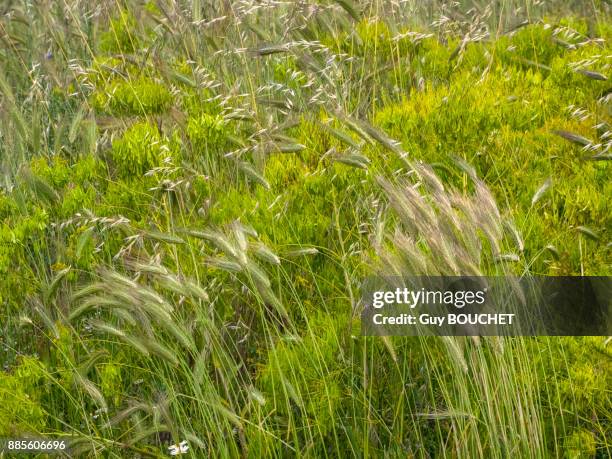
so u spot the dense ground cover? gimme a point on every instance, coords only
(192, 195)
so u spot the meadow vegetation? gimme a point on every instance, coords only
(191, 194)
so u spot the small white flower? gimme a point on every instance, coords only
(181, 448)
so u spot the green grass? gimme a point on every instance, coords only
(192, 195)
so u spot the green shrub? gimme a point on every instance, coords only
(111, 382)
(139, 97)
(120, 36)
(506, 134)
(580, 445)
(20, 396)
(532, 43)
(140, 149)
(310, 374)
(207, 133)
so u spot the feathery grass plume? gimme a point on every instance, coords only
(91, 389)
(301, 252)
(218, 239)
(592, 75)
(39, 187)
(442, 232)
(382, 138)
(264, 253)
(447, 223)
(156, 347)
(41, 311)
(291, 147)
(541, 191)
(588, 232)
(93, 302)
(224, 264)
(84, 239)
(143, 300)
(163, 237)
(353, 159)
(252, 174)
(55, 283)
(574, 138)
(516, 235)
(342, 136)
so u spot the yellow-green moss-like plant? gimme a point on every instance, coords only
(142, 96)
(207, 132)
(120, 36)
(20, 393)
(141, 148)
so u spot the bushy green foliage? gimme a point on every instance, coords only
(20, 395)
(580, 444)
(508, 135)
(111, 382)
(120, 36)
(141, 148)
(207, 133)
(309, 373)
(532, 44)
(140, 97)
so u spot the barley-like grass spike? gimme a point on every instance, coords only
(264, 253)
(163, 237)
(354, 159)
(588, 232)
(575, 138)
(250, 172)
(592, 75)
(541, 191)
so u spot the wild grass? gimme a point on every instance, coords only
(193, 192)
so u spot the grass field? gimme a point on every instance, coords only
(192, 192)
